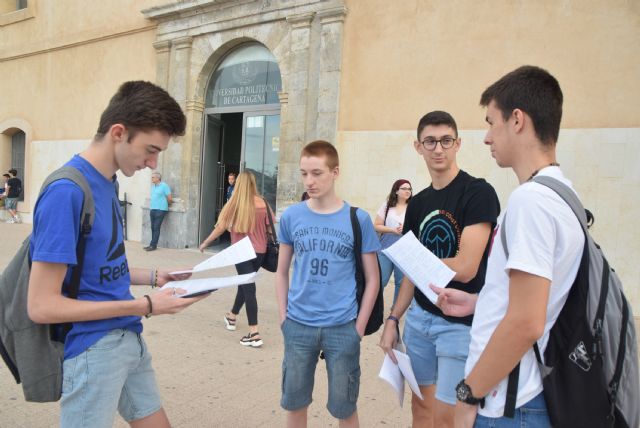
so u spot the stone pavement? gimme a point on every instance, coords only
(206, 378)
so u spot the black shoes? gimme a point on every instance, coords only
(251, 339)
(149, 248)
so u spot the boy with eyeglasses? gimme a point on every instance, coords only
(453, 218)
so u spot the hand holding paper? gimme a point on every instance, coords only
(237, 253)
(203, 285)
(419, 265)
(396, 374)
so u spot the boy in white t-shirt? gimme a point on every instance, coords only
(524, 292)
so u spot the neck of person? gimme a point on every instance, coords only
(101, 156)
(532, 162)
(401, 203)
(326, 204)
(441, 179)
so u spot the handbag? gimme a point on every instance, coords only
(270, 260)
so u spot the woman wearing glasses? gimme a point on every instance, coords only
(388, 223)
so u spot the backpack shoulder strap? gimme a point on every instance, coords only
(87, 217)
(568, 195)
(357, 250)
(357, 234)
(88, 206)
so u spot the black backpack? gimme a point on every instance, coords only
(590, 369)
(377, 314)
(34, 352)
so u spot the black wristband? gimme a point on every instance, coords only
(150, 306)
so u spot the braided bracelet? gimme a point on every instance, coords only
(148, 315)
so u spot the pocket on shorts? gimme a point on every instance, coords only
(68, 374)
(109, 341)
(282, 324)
(355, 331)
(354, 385)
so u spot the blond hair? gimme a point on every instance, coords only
(239, 213)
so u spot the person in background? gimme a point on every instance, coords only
(245, 214)
(388, 223)
(13, 188)
(160, 201)
(231, 179)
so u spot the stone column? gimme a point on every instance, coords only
(294, 109)
(163, 51)
(177, 156)
(332, 23)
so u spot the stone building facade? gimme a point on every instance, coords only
(358, 73)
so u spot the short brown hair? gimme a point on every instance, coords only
(142, 106)
(321, 148)
(534, 91)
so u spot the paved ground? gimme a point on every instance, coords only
(207, 379)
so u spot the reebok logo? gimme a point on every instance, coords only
(115, 251)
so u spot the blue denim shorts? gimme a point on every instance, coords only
(533, 414)
(113, 374)
(438, 351)
(302, 346)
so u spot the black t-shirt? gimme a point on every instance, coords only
(437, 218)
(15, 186)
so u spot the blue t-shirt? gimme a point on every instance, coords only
(105, 275)
(322, 292)
(159, 193)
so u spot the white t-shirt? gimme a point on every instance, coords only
(393, 218)
(544, 238)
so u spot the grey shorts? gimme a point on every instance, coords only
(11, 203)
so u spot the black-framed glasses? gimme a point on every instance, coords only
(408, 189)
(431, 143)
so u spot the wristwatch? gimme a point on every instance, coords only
(464, 394)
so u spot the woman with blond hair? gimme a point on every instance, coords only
(245, 214)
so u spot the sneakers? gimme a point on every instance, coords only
(229, 324)
(10, 221)
(251, 339)
(149, 248)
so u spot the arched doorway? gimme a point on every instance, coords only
(242, 128)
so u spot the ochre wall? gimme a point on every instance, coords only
(70, 61)
(402, 59)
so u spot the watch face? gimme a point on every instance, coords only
(463, 392)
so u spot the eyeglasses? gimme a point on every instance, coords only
(406, 188)
(431, 143)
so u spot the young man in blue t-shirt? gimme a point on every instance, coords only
(106, 363)
(318, 309)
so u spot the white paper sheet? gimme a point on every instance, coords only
(237, 253)
(194, 286)
(419, 264)
(392, 374)
(395, 375)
